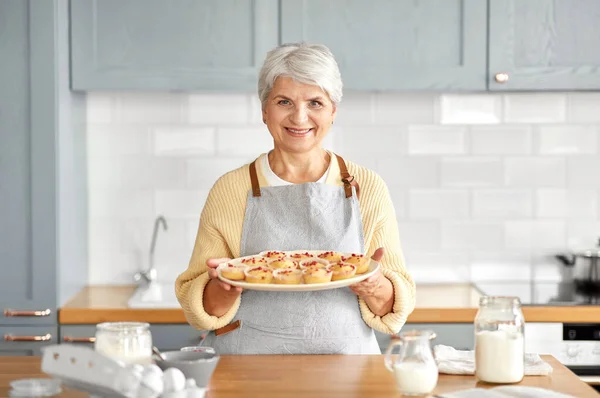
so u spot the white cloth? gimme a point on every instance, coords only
(274, 180)
(457, 362)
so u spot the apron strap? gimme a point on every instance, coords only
(254, 180)
(347, 179)
(228, 328)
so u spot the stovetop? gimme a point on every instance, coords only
(553, 303)
(570, 293)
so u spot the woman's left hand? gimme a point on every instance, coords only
(372, 286)
(376, 290)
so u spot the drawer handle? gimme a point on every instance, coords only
(69, 339)
(9, 312)
(46, 337)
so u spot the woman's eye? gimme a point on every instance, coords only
(284, 102)
(315, 104)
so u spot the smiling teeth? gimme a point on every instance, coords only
(299, 131)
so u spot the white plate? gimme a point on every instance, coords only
(273, 287)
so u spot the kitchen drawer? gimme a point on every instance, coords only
(82, 335)
(173, 337)
(457, 335)
(164, 337)
(29, 340)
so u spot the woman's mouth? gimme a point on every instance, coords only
(298, 132)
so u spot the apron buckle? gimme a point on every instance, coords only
(228, 328)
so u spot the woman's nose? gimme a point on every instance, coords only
(299, 116)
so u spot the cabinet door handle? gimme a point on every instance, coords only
(46, 337)
(8, 312)
(69, 339)
(501, 77)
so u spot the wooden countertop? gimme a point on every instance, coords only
(270, 376)
(95, 304)
(436, 303)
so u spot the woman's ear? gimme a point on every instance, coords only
(333, 113)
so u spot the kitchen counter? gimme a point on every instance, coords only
(95, 304)
(270, 376)
(436, 303)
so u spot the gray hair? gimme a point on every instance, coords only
(305, 63)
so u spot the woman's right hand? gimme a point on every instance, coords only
(218, 296)
(213, 263)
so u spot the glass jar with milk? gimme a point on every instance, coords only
(499, 340)
(414, 367)
(129, 342)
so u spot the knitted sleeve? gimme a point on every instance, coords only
(210, 243)
(385, 234)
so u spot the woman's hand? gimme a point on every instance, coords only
(370, 287)
(218, 296)
(376, 290)
(213, 263)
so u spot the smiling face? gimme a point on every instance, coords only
(298, 115)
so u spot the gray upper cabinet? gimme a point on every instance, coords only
(396, 44)
(544, 44)
(27, 189)
(386, 45)
(170, 44)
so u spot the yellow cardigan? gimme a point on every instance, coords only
(220, 232)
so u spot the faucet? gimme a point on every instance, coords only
(150, 274)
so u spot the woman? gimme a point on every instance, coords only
(297, 197)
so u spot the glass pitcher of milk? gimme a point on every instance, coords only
(414, 366)
(499, 340)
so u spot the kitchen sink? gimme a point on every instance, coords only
(154, 295)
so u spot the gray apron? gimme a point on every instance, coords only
(311, 216)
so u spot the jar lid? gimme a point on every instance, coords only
(35, 388)
(123, 327)
(500, 301)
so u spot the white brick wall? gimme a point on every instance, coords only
(567, 140)
(501, 140)
(470, 109)
(436, 140)
(438, 204)
(487, 187)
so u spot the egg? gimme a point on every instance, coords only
(136, 367)
(152, 384)
(128, 381)
(174, 380)
(152, 368)
(190, 383)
